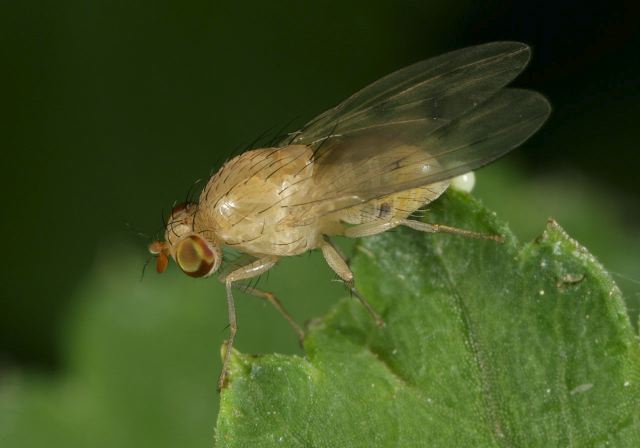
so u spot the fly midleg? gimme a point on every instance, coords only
(245, 272)
(273, 300)
(340, 267)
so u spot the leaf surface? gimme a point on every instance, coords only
(485, 345)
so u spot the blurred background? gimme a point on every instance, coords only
(110, 110)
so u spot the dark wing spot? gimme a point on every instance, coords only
(384, 210)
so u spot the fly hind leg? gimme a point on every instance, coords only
(375, 227)
(340, 267)
(371, 228)
(439, 228)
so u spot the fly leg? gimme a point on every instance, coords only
(340, 267)
(273, 300)
(247, 260)
(245, 272)
(439, 228)
(371, 228)
(375, 227)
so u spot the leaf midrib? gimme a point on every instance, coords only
(491, 416)
(491, 410)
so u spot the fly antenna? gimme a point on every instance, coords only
(144, 268)
(129, 227)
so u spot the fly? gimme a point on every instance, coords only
(359, 169)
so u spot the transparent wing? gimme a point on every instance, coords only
(374, 162)
(432, 92)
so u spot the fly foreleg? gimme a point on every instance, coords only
(250, 270)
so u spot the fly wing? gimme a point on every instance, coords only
(372, 163)
(432, 92)
(422, 124)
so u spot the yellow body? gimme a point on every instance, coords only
(252, 204)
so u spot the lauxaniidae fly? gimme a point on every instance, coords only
(359, 169)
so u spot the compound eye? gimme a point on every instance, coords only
(196, 257)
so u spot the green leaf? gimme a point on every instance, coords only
(590, 215)
(485, 345)
(141, 359)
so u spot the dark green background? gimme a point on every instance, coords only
(111, 109)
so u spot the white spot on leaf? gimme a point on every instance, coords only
(581, 388)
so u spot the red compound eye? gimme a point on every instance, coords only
(196, 257)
